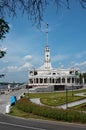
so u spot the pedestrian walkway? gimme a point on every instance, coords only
(65, 106)
(36, 101)
(5, 98)
(80, 94)
(72, 104)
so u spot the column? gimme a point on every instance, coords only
(38, 80)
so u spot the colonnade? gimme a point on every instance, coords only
(54, 80)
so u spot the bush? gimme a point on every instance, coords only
(53, 113)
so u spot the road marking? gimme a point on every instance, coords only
(15, 125)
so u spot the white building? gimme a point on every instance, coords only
(47, 76)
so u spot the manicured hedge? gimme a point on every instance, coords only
(53, 113)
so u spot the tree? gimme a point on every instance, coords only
(84, 76)
(33, 8)
(4, 28)
(2, 53)
(80, 77)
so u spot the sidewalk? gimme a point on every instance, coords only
(37, 101)
(5, 98)
(72, 104)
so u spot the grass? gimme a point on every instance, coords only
(25, 108)
(18, 112)
(80, 91)
(57, 98)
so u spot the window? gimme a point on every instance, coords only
(54, 73)
(47, 55)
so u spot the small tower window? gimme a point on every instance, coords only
(54, 73)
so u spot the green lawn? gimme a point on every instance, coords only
(57, 98)
(26, 109)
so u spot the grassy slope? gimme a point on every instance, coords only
(53, 99)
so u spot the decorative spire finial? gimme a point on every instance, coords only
(47, 34)
(47, 26)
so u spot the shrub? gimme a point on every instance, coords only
(58, 114)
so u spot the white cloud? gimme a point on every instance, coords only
(28, 57)
(5, 61)
(80, 55)
(25, 66)
(81, 66)
(10, 25)
(2, 48)
(12, 68)
(59, 57)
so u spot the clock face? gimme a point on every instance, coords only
(47, 55)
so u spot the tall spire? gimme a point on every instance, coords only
(47, 62)
(47, 34)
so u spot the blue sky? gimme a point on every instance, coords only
(25, 43)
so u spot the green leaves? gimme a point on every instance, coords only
(2, 53)
(4, 28)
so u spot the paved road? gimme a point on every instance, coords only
(5, 98)
(14, 123)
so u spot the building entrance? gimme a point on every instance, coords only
(59, 87)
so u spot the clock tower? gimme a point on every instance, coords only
(47, 61)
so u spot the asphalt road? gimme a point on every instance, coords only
(16, 123)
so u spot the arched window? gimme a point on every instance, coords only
(68, 80)
(63, 80)
(72, 80)
(45, 80)
(30, 80)
(53, 80)
(41, 80)
(36, 80)
(58, 80)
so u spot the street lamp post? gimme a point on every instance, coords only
(66, 98)
(72, 90)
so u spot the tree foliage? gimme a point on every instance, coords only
(81, 76)
(4, 28)
(2, 53)
(33, 8)
(84, 76)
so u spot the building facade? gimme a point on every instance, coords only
(46, 75)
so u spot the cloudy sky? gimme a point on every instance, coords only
(25, 43)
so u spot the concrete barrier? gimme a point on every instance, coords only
(7, 109)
